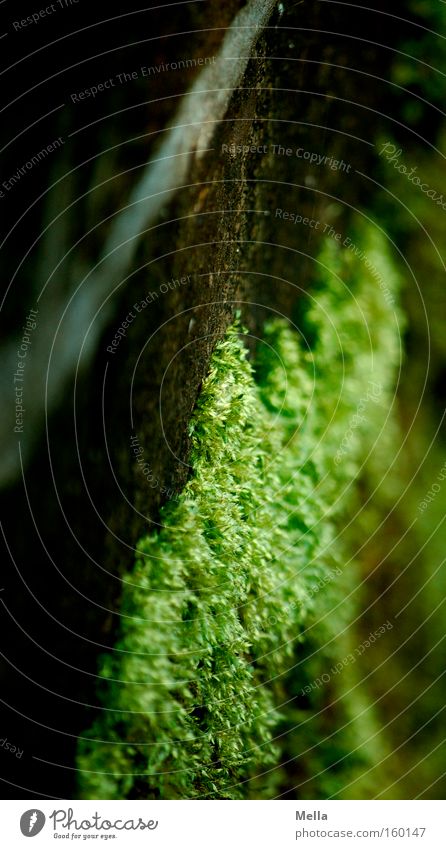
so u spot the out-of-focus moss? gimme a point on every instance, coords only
(206, 674)
(420, 61)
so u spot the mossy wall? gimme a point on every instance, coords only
(333, 79)
(243, 597)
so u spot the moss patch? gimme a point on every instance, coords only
(216, 609)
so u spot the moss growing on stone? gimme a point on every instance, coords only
(217, 607)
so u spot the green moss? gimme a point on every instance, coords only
(215, 612)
